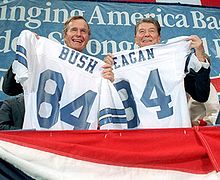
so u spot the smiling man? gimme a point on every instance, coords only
(76, 32)
(142, 88)
(147, 32)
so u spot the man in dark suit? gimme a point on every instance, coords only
(12, 113)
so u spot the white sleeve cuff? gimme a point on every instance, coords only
(205, 64)
(196, 65)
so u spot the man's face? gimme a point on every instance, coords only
(146, 35)
(77, 35)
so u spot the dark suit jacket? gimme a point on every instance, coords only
(12, 113)
(9, 86)
(197, 84)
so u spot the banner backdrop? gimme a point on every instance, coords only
(112, 25)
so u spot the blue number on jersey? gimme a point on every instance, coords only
(85, 101)
(49, 92)
(124, 89)
(161, 100)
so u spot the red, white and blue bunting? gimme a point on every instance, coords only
(184, 153)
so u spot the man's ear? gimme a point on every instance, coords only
(158, 39)
(64, 39)
(135, 40)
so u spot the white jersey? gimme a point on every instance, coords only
(63, 88)
(150, 81)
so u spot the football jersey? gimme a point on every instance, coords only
(64, 88)
(150, 81)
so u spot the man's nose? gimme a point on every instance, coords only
(78, 33)
(146, 33)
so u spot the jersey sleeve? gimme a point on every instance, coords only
(25, 54)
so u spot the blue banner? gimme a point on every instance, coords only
(112, 25)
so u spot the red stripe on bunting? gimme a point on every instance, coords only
(168, 149)
(208, 137)
(215, 3)
(216, 83)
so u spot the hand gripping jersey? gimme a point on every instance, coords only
(150, 81)
(63, 88)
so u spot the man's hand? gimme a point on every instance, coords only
(197, 44)
(109, 59)
(107, 72)
(36, 35)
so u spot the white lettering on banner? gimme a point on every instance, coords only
(135, 17)
(3, 12)
(34, 16)
(125, 45)
(200, 21)
(106, 46)
(180, 23)
(119, 17)
(96, 43)
(55, 36)
(169, 19)
(7, 44)
(217, 47)
(6, 40)
(97, 15)
(18, 13)
(1, 82)
(205, 44)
